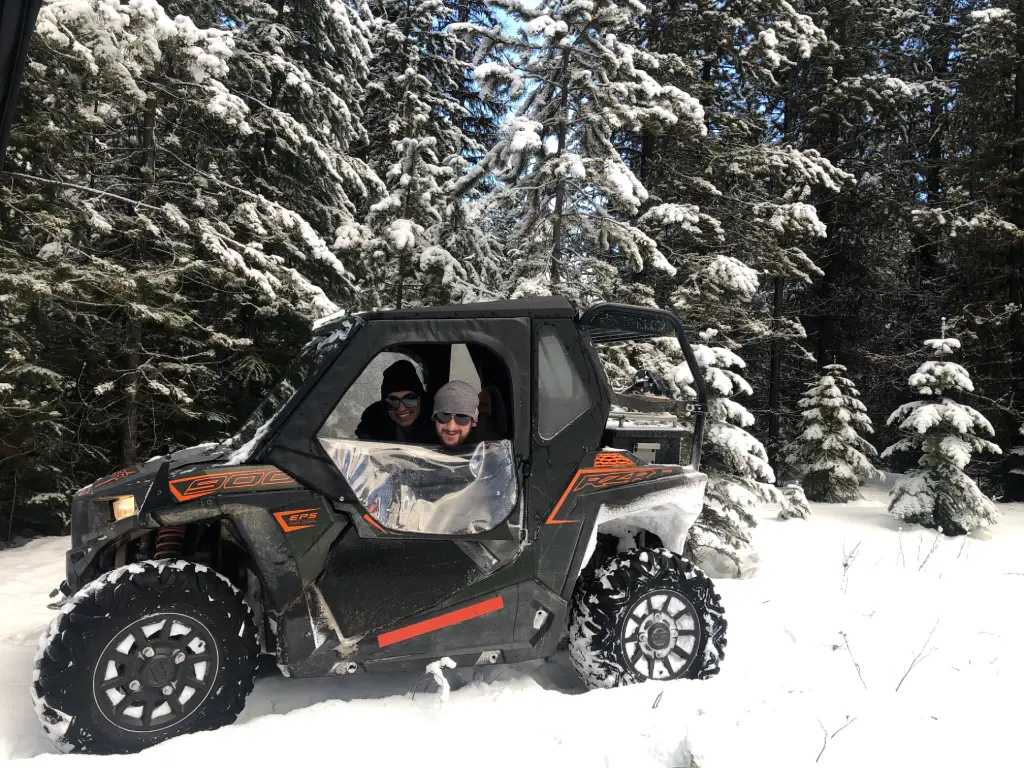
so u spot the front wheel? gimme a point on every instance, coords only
(645, 614)
(146, 652)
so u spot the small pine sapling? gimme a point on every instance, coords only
(939, 494)
(793, 503)
(829, 453)
(739, 475)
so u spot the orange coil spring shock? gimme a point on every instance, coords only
(169, 543)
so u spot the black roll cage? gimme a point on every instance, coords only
(611, 322)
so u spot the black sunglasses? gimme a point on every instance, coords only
(460, 418)
(409, 401)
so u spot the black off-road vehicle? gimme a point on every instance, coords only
(338, 555)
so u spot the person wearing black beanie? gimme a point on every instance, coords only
(400, 377)
(400, 414)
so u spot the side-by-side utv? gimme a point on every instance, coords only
(338, 555)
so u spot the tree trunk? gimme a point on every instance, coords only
(563, 121)
(133, 344)
(775, 386)
(276, 84)
(938, 54)
(776, 383)
(411, 131)
(831, 258)
(130, 426)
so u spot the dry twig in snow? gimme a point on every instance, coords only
(846, 642)
(920, 655)
(964, 544)
(849, 722)
(935, 546)
(848, 558)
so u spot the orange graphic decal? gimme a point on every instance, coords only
(609, 478)
(121, 474)
(189, 488)
(296, 519)
(373, 522)
(603, 478)
(613, 460)
(440, 622)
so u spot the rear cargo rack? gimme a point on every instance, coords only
(661, 418)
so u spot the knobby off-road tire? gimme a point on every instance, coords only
(645, 614)
(114, 670)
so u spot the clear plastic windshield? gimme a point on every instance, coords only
(423, 489)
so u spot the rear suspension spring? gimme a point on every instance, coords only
(169, 543)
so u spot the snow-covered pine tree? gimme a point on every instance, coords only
(482, 111)
(739, 476)
(420, 244)
(977, 225)
(730, 210)
(289, 174)
(144, 248)
(410, 36)
(562, 178)
(830, 456)
(939, 494)
(793, 503)
(98, 252)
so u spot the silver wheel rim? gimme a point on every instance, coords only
(660, 635)
(163, 665)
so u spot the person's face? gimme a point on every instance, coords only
(455, 430)
(403, 407)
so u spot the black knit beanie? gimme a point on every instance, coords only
(400, 377)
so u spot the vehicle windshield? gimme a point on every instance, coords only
(323, 345)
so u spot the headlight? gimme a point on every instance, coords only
(123, 506)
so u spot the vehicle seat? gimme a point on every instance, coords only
(494, 426)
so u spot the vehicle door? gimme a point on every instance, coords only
(427, 523)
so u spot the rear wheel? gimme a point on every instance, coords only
(645, 614)
(144, 653)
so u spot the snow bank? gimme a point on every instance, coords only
(856, 644)
(27, 574)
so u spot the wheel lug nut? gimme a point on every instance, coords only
(167, 690)
(179, 658)
(134, 686)
(148, 652)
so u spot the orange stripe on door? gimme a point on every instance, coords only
(440, 622)
(374, 523)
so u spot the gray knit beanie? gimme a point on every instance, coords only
(457, 397)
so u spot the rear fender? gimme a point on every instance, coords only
(668, 513)
(665, 505)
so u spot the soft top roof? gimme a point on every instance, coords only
(544, 306)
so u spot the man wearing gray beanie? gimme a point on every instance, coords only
(456, 409)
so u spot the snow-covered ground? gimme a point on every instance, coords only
(909, 656)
